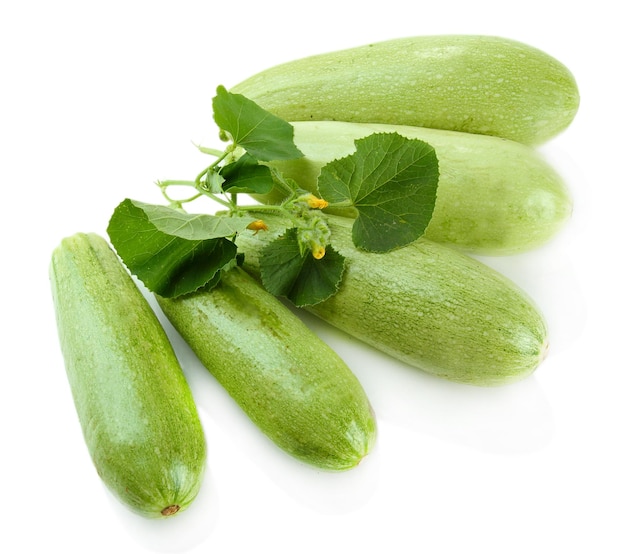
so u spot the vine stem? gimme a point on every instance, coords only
(209, 151)
(265, 208)
(284, 185)
(261, 209)
(219, 157)
(163, 185)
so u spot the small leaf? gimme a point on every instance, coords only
(166, 264)
(214, 181)
(392, 182)
(247, 176)
(262, 134)
(302, 279)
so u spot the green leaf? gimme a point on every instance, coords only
(246, 175)
(392, 182)
(262, 134)
(214, 181)
(191, 226)
(167, 264)
(302, 279)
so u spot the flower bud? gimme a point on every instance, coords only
(315, 202)
(318, 251)
(258, 225)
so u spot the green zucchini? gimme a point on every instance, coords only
(428, 305)
(475, 84)
(137, 413)
(292, 385)
(495, 196)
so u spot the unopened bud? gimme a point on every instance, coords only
(256, 226)
(315, 202)
(318, 252)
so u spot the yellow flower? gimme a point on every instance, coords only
(258, 225)
(315, 202)
(318, 252)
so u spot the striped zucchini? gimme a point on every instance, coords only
(290, 384)
(495, 196)
(136, 411)
(428, 305)
(474, 84)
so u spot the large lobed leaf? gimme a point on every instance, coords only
(171, 253)
(392, 182)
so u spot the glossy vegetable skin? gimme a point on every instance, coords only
(430, 306)
(135, 408)
(470, 83)
(290, 384)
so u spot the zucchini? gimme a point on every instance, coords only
(475, 84)
(495, 196)
(289, 383)
(137, 414)
(428, 305)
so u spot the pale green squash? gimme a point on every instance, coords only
(475, 84)
(428, 305)
(136, 410)
(290, 383)
(494, 197)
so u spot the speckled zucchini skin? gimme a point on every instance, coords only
(290, 384)
(137, 413)
(430, 306)
(475, 84)
(495, 196)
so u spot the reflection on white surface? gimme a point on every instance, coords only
(323, 491)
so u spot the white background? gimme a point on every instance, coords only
(100, 99)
